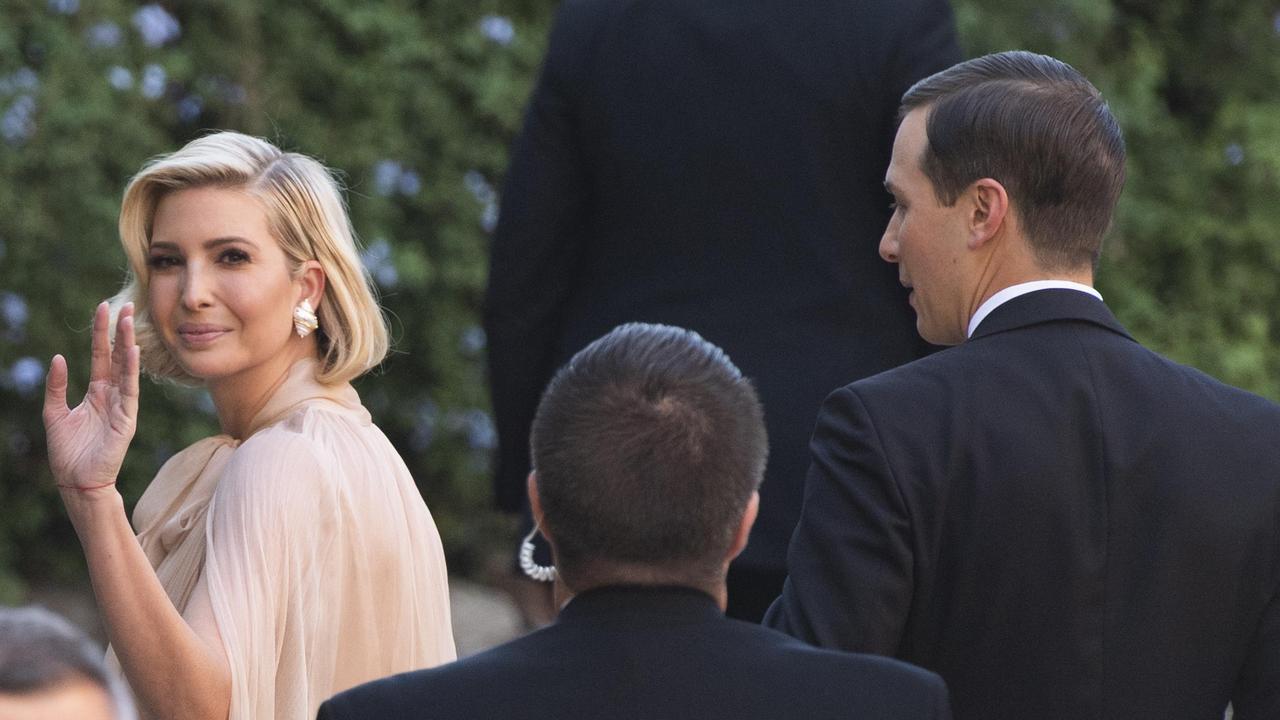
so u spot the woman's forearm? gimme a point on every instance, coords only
(174, 672)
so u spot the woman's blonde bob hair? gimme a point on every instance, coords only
(306, 216)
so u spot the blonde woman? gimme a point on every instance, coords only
(291, 556)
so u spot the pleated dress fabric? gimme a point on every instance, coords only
(321, 562)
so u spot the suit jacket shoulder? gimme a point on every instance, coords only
(653, 663)
(1060, 522)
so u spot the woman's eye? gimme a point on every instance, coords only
(234, 257)
(161, 262)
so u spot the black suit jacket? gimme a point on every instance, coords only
(717, 165)
(1058, 521)
(652, 654)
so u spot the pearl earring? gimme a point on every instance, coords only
(541, 573)
(304, 318)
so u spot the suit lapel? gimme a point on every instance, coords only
(1044, 306)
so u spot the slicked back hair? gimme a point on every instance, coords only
(648, 445)
(1039, 128)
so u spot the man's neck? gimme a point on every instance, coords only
(1006, 294)
(1010, 262)
(564, 593)
(1002, 272)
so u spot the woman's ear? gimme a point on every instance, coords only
(311, 283)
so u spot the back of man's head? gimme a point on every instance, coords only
(50, 668)
(648, 446)
(1039, 128)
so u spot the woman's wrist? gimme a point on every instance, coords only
(84, 504)
(85, 488)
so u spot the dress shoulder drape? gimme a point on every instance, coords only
(322, 564)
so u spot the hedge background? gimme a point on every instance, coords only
(416, 102)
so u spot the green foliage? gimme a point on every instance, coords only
(413, 102)
(416, 102)
(1191, 266)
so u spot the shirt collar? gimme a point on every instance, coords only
(669, 602)
(1014, 291)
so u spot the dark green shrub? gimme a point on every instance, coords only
(416, 102)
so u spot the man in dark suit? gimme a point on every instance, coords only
(717, 165)
(1061, 523)
(649, 446)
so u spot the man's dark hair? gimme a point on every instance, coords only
(648, 445)
(1038, 127)
(40, 650)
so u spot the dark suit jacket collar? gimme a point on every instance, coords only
(670, 604)
(1047, 306)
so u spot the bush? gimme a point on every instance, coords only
(1192, 261)
(416, 103)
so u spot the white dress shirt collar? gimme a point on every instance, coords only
(1014, 291)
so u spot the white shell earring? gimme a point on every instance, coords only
(304, 318)
(541, 573)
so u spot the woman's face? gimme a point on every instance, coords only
(221, 293)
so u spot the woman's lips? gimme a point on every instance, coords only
(193, 335)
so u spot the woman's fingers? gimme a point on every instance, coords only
(124, 341)
(129, 383)
(127, 311)
(118, 350)
(126, 361)
(100, 356)
(55, 391)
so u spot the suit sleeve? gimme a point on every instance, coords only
(327, 713)
(533, 258)
(850, 560)
(1257, 692)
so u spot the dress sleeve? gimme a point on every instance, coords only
(269, 529)
(850, 560)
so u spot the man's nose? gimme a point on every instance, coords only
(889, 244)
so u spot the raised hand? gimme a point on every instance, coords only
(87, 444)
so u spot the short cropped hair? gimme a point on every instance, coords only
(306, 216)
(40, 650)
(647, 445)
(1038, 127)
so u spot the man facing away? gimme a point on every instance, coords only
(50, 670)
(717, 165)
(648, 448)
(1058, 521)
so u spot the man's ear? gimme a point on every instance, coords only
(743, 532)
(535, 503)
(989, 211)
